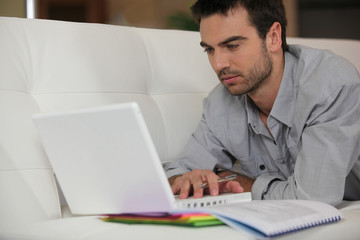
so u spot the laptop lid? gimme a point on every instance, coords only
(105, 160)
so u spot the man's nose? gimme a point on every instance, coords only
(220, 61)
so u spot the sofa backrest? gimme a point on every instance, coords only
(56, 66)
(349, 49)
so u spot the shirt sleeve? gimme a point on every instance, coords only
(330, 148)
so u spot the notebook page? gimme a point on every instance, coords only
(275, 217)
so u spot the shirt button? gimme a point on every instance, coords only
(262, 167)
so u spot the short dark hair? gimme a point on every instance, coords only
(262, 13)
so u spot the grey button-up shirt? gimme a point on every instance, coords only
(314, 146)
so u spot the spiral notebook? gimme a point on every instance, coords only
(106, 162)
(270, 218)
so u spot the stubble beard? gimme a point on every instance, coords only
(256, 75)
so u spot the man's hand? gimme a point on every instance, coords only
(190, 183)
(245, 182)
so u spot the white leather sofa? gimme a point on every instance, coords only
(55, 66)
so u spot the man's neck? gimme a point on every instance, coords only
(264, 96)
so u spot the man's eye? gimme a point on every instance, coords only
(209, 50)
(232, 46)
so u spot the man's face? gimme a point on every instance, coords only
(236, 53)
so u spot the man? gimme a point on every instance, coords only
(289, 114)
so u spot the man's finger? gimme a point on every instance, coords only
(197, 178)
(231, 186)
(176, 185)
(213, 184)
(185, 187)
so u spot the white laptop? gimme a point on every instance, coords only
(106, 163)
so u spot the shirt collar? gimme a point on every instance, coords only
(284, 104)
(252, 114)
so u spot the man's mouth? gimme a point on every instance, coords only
(227, 79)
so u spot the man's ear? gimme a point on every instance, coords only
(273, 38)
